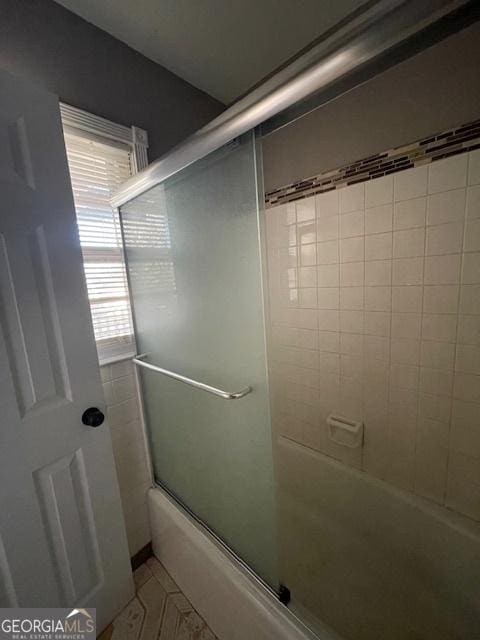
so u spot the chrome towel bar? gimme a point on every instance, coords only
(226, 395)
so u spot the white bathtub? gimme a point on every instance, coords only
(369, 560)
(234, 604)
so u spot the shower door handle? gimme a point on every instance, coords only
(221, 393)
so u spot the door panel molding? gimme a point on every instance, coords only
(36, 355)
(64, 497)
(16, 159)
(8, 594)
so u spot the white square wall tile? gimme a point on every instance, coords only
(466, 387)
(404, 376)
(352, 249)
(327, 228)
(329, 341)
(469, 330)
(467, 359)
(307, 339)
(442, 269)
(377, 323)
(450, 173)
(470, 299)
(351, 298)
(124, 388)
(465, 414)
(108, 393)
(307, 298)
(352, 274)
(376, 376)
(352, 224)
(329, 362)
(379, 191)
(435, 407)
(407, 271)
(352, 321)
(407, 299)
(351, 344)
(352, 198)
(440, 298)
(437, 355)
(287, 213)
(378, 273)
(307, 255)
(378, 298)
(379, 219)
(327, 252)
(406, 325)
(328, 297)
(474, 167)
(440, 327)
(328, 275)
(378, 246)
(305, 209)
(444, 238)
(328, 320)
(447, 206)
(377, 347)
(409, 243)
(287, 256)
(409, 214)
(437, 382)
(404, 351)
(472, 235)
(327, 204)
(307, 276)
(122, 368)
(106, 373)
(306, 233)
(464, 468)
(403, 404)
(432, 433)
(473, 202)
(411, 183)
(287, 236)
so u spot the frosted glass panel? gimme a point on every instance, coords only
(194, 267)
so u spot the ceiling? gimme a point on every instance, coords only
(221, 46)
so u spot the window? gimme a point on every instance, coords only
(101, 156)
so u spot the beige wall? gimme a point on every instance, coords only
(56, 50)
(434, 90)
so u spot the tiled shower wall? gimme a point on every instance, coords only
(375, 316)
(124, 418)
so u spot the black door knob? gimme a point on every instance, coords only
(92, 417)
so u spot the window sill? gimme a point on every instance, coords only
(103, 362)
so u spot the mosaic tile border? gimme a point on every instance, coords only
(442, 145)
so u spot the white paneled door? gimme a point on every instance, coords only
(62, 536)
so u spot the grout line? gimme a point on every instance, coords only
(462, 259)
(422, 312)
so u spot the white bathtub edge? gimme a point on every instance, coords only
(233, 604)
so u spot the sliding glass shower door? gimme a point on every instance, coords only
(193, 254)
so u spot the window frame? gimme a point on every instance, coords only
(87, 125)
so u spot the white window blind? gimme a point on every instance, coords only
(97, 168)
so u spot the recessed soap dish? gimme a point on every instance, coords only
(346, 432)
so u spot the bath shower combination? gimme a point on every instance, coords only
(296, 358)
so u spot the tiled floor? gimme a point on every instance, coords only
(159, 611)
